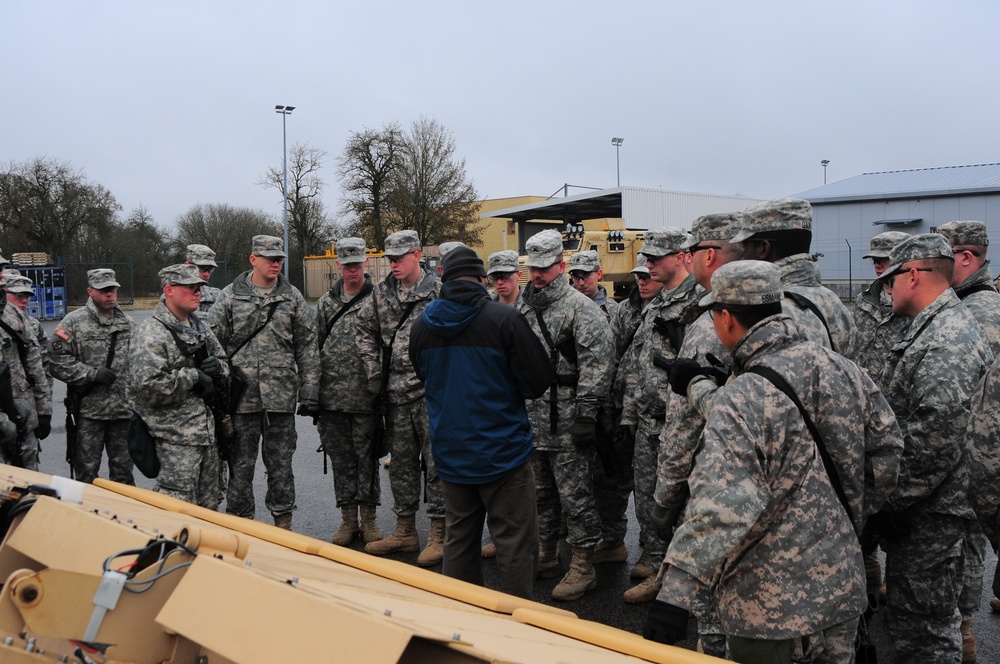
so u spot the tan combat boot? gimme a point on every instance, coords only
(348, 526)
(283, 520)
(402, 540)
(641, 569)
(968, 642)
(369, 525)
(580, 578)
(548, 559)
(433, 553)
(645, 591)
(610, 552)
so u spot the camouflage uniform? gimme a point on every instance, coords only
(406, 423)
(763, 515)
(878, 328)
(161, 381)
(608, 305)
(800, 276)
(27, 375)
(928, 379)
(280, 363)
(984, 453)
(78, 348)
(347, 420)
(13, 282)
(203, 256)
(983, 302)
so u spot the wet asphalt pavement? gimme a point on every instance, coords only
(317, 516)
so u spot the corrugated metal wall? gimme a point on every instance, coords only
(652, 208)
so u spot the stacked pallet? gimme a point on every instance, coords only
(31, 259)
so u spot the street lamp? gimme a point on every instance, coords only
(285, 111)
(617, 142)
(824, 164)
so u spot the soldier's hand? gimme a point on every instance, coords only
(309, 409)
(211, 366)
(665, 623)
(44, 427)
(205, 386)
(585, 432)
(105, 376)
(8, 432)
(374, 386)
(663, 520)
(682, 372)
(889, 526)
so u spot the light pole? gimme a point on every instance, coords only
(824, 164)
(617, 142)
(285, 112)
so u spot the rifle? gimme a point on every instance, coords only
(73, 401)
(381, 402)
(672, 330)
(606, 451)
(19, 416)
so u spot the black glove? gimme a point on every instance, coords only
(205, 385)
(890, 527)
(663, 520)
(44, 427)
(585, 432)
(665, 623)
(104, 376)
(309, 409)
(684, 370)
(624, 436)
(211, 366)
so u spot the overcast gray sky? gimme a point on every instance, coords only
(170, 104)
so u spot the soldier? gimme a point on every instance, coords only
(780, 232)
(29, 381)
(928, 380)
(479, 361)
(564, 420)
(585, 274)
(19, 293)
(384, 325)
(90, 353)
(505, 275)
(767, 511)
(269, 333)
(204, 258)
(169, 387)
(347, 420)
(973, 282)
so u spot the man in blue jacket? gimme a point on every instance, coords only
(479, 361)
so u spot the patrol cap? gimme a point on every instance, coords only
(101, 278)
(462, 262)
(18, 284)
(584, 261)
(183, 274)
(782, 214)
(916, 248)
(201, 255)
(268, 246)
(7, 273)
(663, 241)
(964, 233)
(350, 250)
(745, 284)
(544, 248)
(640, 266)
(401, 243)
(503, 261)
(721, 227)
(882, 244)
(445, 247)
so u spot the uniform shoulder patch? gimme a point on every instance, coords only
(63, 333)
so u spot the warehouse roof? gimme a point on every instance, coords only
(921, 182)
(602, 204)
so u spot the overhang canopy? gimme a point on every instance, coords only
(907, 221)
(604, 204)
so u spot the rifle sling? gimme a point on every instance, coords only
(554, 351)
(270, 314)
(107, 364)
(367, 288)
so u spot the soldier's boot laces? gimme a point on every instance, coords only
(580, 578)
(402, 540)
(645, 591)
(489, 550)
(433, 553)
(283, 520)
(610, 552)
(641, 569)
(968, 643)
(348, 526)
(369, 525)
(548, 559)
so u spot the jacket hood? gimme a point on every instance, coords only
(458, 305)
(242, 286)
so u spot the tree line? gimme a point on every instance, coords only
(390, 179)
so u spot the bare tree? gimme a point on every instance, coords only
(366, 169)
(309, 229)
(226, 229)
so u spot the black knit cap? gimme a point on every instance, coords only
(462, 262)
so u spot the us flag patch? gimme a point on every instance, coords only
(63, 333)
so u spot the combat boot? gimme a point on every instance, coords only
(580, 578)
(548, 559)
(402, 540)
(995, 604)
(369, 525)
(283, 520)
(610, 552)
(641, 569)
(968, 642)
(348, 526)
(433, 553)
(645, 591)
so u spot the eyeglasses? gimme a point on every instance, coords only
(21, 296)
(271, 259)
(580, 276)
(398, 259)
(642, 277)
(653, 260)
(962, 251)
(502, 276)
(539, 270)
(698, 247)
(891, 280)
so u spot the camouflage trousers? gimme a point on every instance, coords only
(410, 443)
(277, 431)
(94, 436)
(974, 550)
(647, 448)
(347, 440)
(711, 636)
(833, 645)
(189, 472)
(564, 482)
(612, 489)
(29, 451)
(923, 579)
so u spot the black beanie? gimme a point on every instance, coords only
(462, 262)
